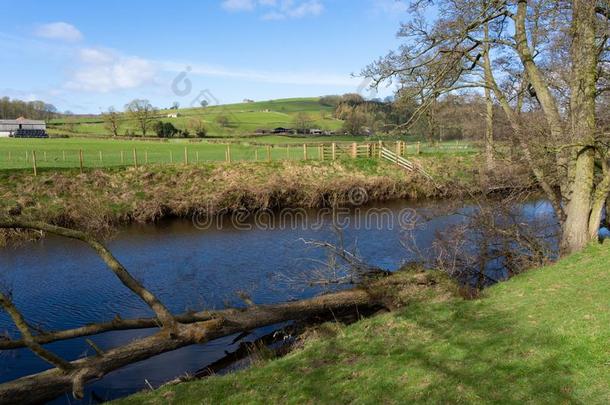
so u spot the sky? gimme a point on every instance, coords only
(88, 56)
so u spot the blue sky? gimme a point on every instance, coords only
(86, 57)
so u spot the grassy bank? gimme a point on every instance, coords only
(542, 337)
(97, 200)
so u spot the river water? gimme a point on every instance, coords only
(195, 265)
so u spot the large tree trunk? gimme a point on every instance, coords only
(489, 116)
(49, 384)
(576, 230)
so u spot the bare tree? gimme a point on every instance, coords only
(142, 112)
(302, 122)
(112, 121)
(570, 158)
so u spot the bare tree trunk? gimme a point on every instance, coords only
(49, 384)
(489, 116)
(535, 77)
(175, 332)
(577, 228)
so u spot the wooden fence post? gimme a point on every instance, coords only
(397, 148)
(228, 153)
(269, 153)
(122, 158)
(380, 147)
(354, 150)
(321, 149)
(197, 156)
(81, 160)
(304, 151)
(334, 151)
(135, 158)
(418, 147)
(101, 158)
(186, 156)
(34, 163)
(63, 155)
(44, 156)
(256, 154)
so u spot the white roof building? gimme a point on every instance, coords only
(9, 126)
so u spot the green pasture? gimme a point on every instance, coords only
(244, 118)
(65, 152)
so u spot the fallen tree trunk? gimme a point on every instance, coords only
(49, 384)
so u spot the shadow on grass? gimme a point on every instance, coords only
(444, 353)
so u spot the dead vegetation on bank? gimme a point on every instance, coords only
(99, 200)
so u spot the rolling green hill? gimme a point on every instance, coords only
(244, 118)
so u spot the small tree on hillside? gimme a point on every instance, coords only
(302, 122)
(223, 120)
(112, 121)
(198, 127)
(142, 112)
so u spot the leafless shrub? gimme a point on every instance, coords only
(496, 239)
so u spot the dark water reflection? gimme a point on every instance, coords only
(60, 284)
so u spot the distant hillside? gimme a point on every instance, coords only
(244, 118)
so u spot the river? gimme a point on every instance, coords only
(59, 283)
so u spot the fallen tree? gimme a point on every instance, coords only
(174, 331)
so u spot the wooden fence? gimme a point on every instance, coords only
(394, 151)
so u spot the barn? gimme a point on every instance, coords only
(23, 128)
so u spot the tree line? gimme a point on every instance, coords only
(453, 116)
(36, 110)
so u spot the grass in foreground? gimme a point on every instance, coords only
(542, 337)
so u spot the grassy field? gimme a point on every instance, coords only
(542, 337)
(64, 152)
(244, 118)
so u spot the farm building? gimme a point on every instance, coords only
(282, 130)
(23, 128)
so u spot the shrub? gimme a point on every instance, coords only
(164, 129)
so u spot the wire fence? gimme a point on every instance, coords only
(41, 158)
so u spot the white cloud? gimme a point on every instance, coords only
(104, 71)
(390, 6)
(277, 9)
(238, 5)
(59, 30)
(273, 16)
(312, 7)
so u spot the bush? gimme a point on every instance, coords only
(201, 132)
(223, 121)
(164, 129)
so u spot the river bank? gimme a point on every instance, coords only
(99, 200)
(525, 340)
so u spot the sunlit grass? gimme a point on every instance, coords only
(542, 337)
